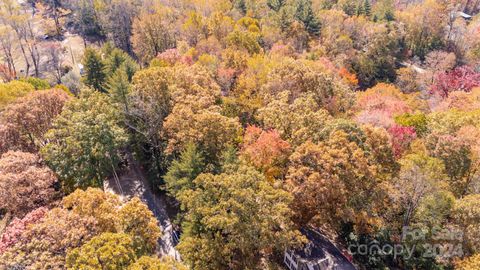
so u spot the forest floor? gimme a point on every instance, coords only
(132, 182)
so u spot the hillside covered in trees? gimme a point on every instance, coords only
(255, 124)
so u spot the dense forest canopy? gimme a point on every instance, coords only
(217, 134)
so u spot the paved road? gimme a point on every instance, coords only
(132, 182)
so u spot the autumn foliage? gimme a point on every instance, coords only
(25, 183)
(24, 123)
(401, 138)
(462, 78)
(15, 229)
(265, 150)
(239, 124)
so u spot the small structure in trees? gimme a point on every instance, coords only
(318, 254)
(311, 257)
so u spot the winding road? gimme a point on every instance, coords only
(132, 182)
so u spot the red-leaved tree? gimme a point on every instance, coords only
(12, 233)
(462, 78)
(265, 150)
(401, 138)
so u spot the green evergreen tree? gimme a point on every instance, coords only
(349, 8)
(241, 6)
(304, 13)
(367, 9)
(359, 10)
(285, 18)
(183, 171)
(275, 5)
(230, 161)
(119, 87)
(94, 69)
(116, 58)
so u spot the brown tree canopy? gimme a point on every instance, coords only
(44, 245)
(23, 123)
(25, 183)
(153, 33)
(332, 181)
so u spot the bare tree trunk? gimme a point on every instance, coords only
(33, 49)
(24, 53)
(56, 19)
(7, 49)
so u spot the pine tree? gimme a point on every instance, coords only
(275, 5)
(116, 58)
(230, 161)
(367, 9)
(183, 171)
(285, 18)
(304, 13)
(359, 10)
(119, 87)
(94, 69)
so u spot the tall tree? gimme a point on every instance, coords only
(85, 141)
(233, 220)
(367, 8)
(304, 13)
(7, 45)
(25, 183)
(347, 180)
(425, 25)
(106, 251)
(297, 122)
(118, 20)
(132, 218)
(153, 33)
(152, 263)
(462, 78)
(13, 232)
(276, 5)
(30, 118)
(44, 244)
(95, 73)
(18, 18)
(119, 88)
(9, 92)
(137, 221)
(94, 203)
(184, 170)
(466, 213)
(150, 103)
(266, 151)
(419, 177)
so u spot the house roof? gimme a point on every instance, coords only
(319, 248)
(463, 15)
(312, 250)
